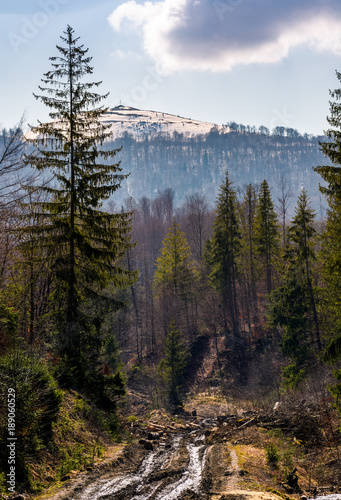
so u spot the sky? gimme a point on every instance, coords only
(256, 62)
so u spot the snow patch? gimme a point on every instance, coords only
(141, 123)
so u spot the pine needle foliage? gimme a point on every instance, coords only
(267, 232)
(292, 306)
(247, 259)
(331, 241)
(175, 270)
(222, 250)
(82, 241)
(173, 364)
(302, 235)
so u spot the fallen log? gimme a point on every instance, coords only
(155, 427)
(246, 424)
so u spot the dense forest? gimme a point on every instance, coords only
(96, 296)
(198, 164)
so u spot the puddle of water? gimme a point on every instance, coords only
(147, 495)
(337, 496)
(190, 479)
(150, 463)
(121, 482)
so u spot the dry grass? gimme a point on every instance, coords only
(315, 467)
(77, 441)
(213, 403)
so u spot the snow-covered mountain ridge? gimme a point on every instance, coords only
(141, 123)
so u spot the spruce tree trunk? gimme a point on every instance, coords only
(71, 316)
(32, 301)
(234, 304)
(312, 298)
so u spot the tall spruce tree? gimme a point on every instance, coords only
(248, 211)
(302, 235)
(222, 251)
(173, 364)
(267, 232)
(83, 241)
(288, 310)
(292, 306)
(331, 241)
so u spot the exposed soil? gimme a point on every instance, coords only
(216, 454)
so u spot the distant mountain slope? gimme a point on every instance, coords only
(161, 151)
(139, 123)
(196, 157)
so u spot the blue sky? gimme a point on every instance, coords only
(257, 62)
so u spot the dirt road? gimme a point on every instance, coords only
(183, 464)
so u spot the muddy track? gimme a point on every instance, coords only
(165, 473)
(182, 465)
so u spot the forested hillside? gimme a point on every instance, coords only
(189, 164)
(202, 278)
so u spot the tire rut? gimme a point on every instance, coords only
(163, 474)
(234, 478)
(187, 464)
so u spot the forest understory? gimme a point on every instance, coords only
(251, 443)
(154, 351)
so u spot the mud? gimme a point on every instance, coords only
(187, 462)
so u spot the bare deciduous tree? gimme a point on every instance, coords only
(283, 205)
(196, 222)
(13, 172)
(13, 176)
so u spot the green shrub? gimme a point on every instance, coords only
(135, 369)
(37, 401)
(113, 425)
(287, 459)
(2, 482)
(272, 454)
(293, 375)
(72, 458)
(8, 326)
(82, 407)
(75, 457)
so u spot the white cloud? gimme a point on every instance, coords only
(216, 35)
